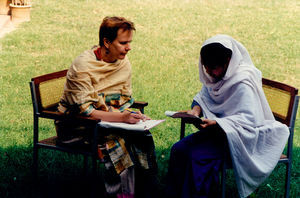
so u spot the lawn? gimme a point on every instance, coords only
(164, 58)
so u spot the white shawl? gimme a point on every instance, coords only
(238, 104)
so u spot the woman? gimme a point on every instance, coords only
(237, 118)
(99, 86)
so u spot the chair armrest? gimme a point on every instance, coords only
(52, 114)
(183, 122)
(139, 105)
(61, 116)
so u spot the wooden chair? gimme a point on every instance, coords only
(46, 91)
(283, 100)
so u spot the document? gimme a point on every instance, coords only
(139, 126)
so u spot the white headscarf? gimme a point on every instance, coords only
(240, 68)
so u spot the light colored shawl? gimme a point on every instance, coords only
(238, 104)
(91, 83)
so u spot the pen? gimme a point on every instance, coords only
(131, 111)
(143, 116)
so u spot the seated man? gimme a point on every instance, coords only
(99, 86)
(237, 120)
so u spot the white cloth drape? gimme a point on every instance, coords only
(238, 104)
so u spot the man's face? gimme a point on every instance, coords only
(121, 45)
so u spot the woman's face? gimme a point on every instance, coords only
(121, 45)
(217, 72)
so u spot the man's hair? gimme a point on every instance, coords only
(110, 26)
(214, 54)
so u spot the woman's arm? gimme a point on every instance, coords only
(196, 109)
(125, 116)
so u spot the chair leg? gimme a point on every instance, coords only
(35, 163)
(182, 129)
(223, 180)
(287, 180)
(94, 176)
(35, 148)
(35, 171)
(85, 165)
(94, 159)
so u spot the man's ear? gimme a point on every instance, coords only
(106, 42)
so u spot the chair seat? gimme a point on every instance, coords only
(53, 143)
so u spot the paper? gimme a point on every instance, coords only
(170, 113)
(139, 126)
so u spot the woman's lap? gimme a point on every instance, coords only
(194, 164)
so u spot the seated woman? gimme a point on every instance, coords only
(98, 85)
(237, 119)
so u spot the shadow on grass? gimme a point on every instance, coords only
(273, 186)
(61, 175)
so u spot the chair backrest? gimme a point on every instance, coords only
(282, 99)
(47, 90)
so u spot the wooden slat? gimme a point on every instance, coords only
(53, 143)
(287, 88)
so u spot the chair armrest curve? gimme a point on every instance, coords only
(139, 104)
(61, 116)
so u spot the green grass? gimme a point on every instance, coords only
(165, 71)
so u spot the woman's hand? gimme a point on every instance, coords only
(195, 111)
(132, 118)
(127, 116)
(143, 115)
(207, 123)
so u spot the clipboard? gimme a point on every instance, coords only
(187, 118)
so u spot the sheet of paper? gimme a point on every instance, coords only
(139, 126)
(170, 113)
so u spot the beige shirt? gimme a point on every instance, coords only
(89, 81)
